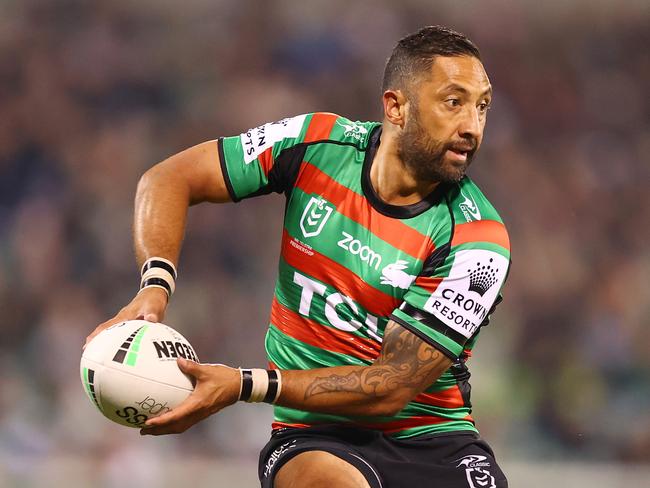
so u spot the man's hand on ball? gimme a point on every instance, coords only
(217, 386)
(149, 304)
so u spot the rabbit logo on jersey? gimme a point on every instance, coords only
(463, 299)
(477, 471)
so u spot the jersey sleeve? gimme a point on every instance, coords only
(447, 305)
(267, 158)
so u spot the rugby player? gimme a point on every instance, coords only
(392, 261)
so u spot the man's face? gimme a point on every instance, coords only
(445, 119)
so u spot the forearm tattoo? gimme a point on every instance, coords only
(405, 361)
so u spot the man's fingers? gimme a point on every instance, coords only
(190, 367)
(151, 317)
(186, 408)
(176, 421)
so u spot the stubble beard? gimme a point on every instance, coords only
(424, 157)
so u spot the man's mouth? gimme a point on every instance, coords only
(460, 152)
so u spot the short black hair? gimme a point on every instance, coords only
(415, 54)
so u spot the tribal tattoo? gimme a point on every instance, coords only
(405, 361)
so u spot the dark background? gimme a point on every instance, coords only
(92, 93)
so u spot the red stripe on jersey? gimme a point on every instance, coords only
(282, 425)
(450, 398)
(321, 336)
(429, 283)
(481, 231)
(387, 427)
(266, 160)
(327, 270)
(320, 126)
(355, 207)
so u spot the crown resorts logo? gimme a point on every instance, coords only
(483, 277)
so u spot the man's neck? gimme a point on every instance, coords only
(391, 179)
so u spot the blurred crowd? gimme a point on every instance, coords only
(94, 93)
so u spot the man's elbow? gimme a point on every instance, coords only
(390, 405)
(166, 177)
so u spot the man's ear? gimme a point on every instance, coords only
(395, 107)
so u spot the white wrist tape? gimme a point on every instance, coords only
(260, 385)
(159, 273)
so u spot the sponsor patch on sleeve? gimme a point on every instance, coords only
(463, 299)
(257, 140)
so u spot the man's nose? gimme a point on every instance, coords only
(470, 125)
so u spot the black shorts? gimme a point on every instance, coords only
(448, 460)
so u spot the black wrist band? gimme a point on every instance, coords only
(158, 282)
(272, 392)
(154, 263)
(246, 385)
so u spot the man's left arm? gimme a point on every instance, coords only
(405, 367)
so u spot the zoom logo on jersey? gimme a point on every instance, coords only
(476, 470)
(353, 246)
(462, 300)
(469, 208)
(173, 350)
(315, 216)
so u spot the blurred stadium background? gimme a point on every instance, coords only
(92, 93)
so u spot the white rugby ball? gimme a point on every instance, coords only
(129, 371)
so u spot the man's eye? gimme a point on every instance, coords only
(483, 107)
(453, 102)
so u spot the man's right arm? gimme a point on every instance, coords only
(163, 197)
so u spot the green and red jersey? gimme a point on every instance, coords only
(350, 262)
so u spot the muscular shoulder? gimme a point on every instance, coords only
(330, 127)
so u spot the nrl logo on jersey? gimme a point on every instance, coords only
(315, 216)
(469, 208)
(354, 130)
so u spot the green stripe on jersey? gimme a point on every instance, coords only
(449, 344)
(289, 353)
(451, 426)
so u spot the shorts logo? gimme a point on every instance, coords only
(315, 216)
(476, 471)
(469, 208)
(275, 455)
(394, 275)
